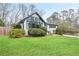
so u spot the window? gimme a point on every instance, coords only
(52, 26)
(34, 22)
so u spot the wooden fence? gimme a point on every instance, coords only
(4, 30)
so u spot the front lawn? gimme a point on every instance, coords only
(39, 46)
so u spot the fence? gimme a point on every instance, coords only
(4, 30)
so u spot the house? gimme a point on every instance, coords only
(35, 18)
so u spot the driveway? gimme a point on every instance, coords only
(71, 36)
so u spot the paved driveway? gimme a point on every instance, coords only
(71, 36)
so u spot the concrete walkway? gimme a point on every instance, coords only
(71, 36)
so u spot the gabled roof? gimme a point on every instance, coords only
(30, 16)
(37, 15)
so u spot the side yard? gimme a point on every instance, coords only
(39, 46)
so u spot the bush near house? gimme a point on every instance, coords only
(17, 33)
(36, 32)
(1, 23)
(14, 26)
(44, 28)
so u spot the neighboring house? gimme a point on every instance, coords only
(35, 18)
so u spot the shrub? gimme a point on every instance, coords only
(16, 26)
(36, 32)
(43, 28)
(1, 23)
(66, 27)
(59, 31)
(17, 33)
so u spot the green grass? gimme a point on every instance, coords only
(39, 46)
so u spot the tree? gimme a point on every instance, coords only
(66, 27)
(32, 9)
(54, 18)
(20, 11)
(23, 10)
(64, 14)
(71, 15)
(76, 21)
(4, 12)
(68, 20)
(12, 13)
(1, 23)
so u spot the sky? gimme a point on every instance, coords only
(49, 8)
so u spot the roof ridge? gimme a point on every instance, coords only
(21, 21)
